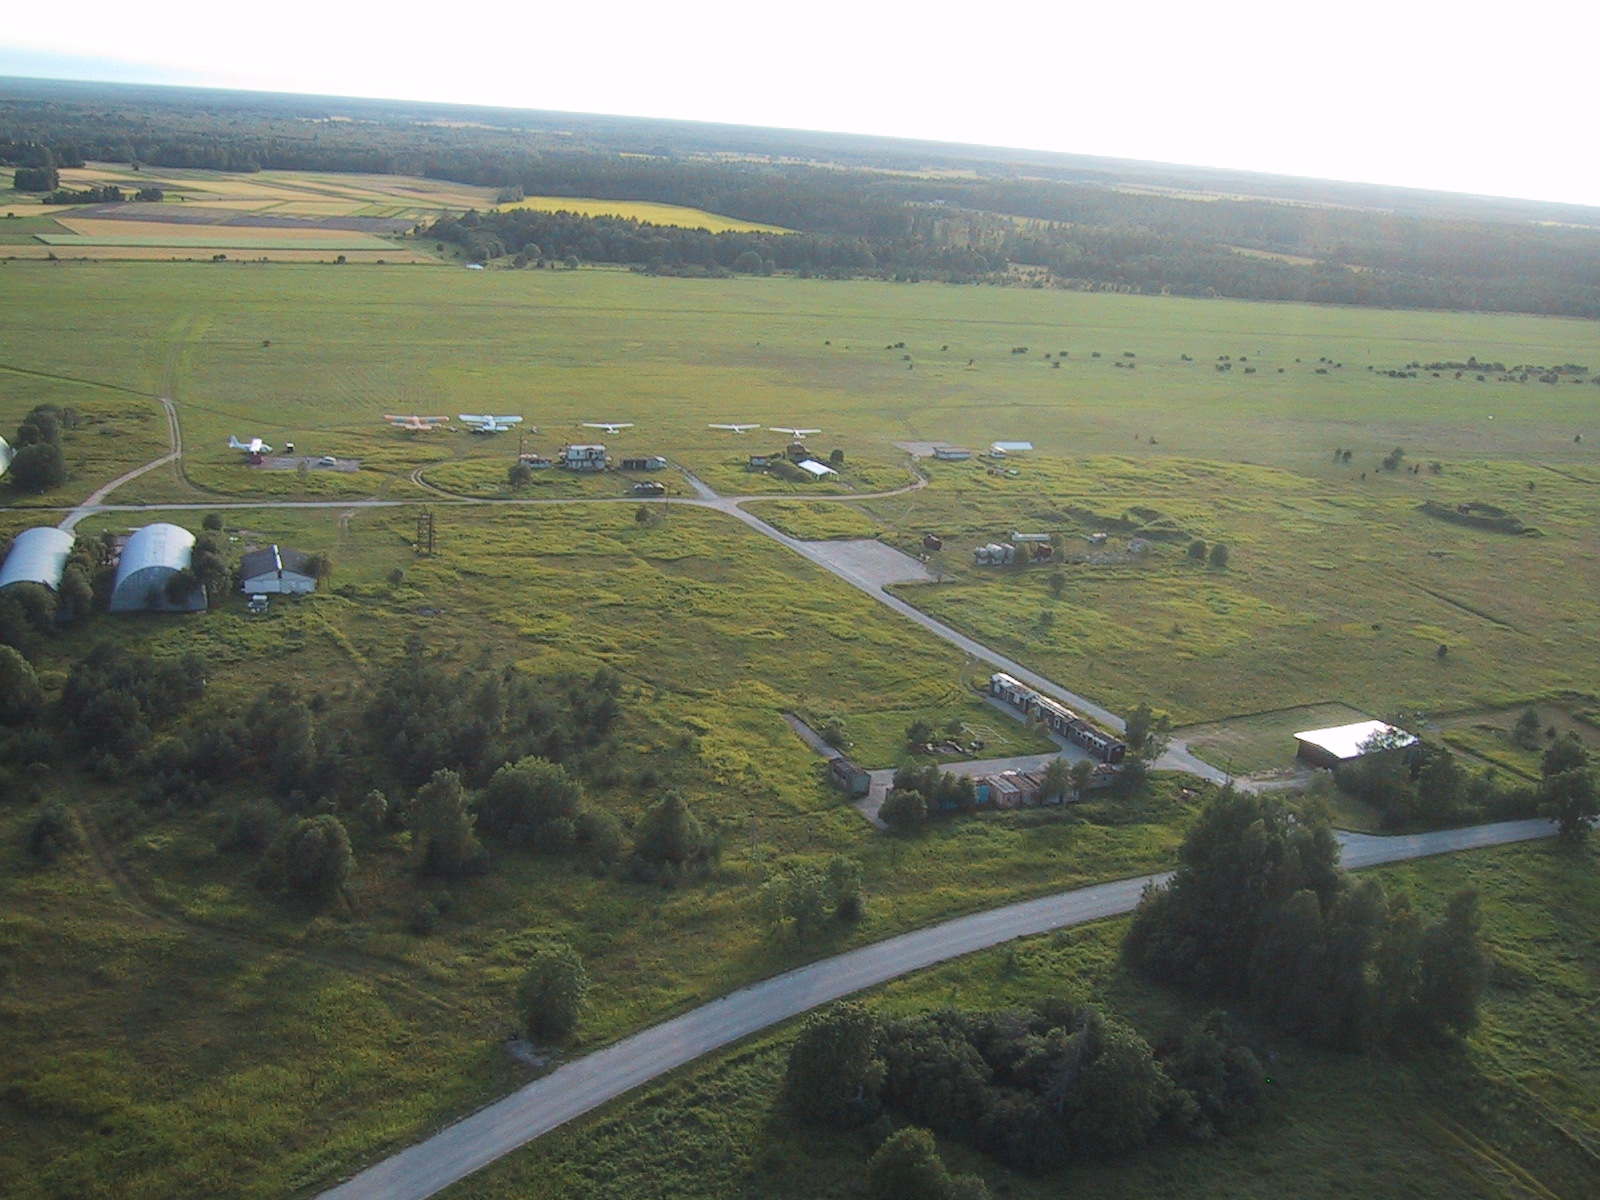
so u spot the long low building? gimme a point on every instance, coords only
(152, 557)
(37, 555)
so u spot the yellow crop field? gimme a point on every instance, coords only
(644, 210)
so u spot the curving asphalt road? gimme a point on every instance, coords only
(583, 1085)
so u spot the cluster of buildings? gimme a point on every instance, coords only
(1057, 718)
(147, 563)
(797, 454)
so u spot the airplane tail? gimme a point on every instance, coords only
(235, 444)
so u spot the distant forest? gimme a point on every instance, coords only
(860, 207)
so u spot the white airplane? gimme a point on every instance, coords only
(483, 423)
(799, 433)
(735, 428)
(608, 426)
(415, 424)
(254, 446)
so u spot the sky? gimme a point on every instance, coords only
(1494, 99)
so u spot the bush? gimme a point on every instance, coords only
(904, 810)
(552, 994)
(54, 832)
(38, 468)
(316, 857)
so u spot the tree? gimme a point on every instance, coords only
(54, 832)
(519, 475)
(553, 992)
(214, 522)
(1197, 550)
(908, 1167)
(21, 697)
(1058, 583)
(1452, 968)
(1120, 1094)
(181, 585)
(442, 837)
(1565, 754)
(904, 810)
(317, 860)
(669, 833)
(1570, 799)
(1057, 779)
(846, 891)
(1219, 557)
(834, 1070)
(1082, 773)
(919, 733)
(1146, 732)
(319, 566)
(1526, 731)
(522, 796)
(38, 468)
(798, 900)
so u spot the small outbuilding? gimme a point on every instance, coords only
(276, 571)
(815, 469)
(653, 462)
(951, 453)
(37, 555)
(1346, 743)
(150, 559)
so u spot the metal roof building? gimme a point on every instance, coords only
(6, 455)
(275, 569)
(37, 556)
(152, 556)
(1345, 743)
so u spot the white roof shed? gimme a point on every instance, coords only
(815, 469)
(152, 556)
(37, 555)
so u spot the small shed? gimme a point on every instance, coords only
(649, 487)
(1346, 743)
(951, 453)
(151, 557)
(815, 469)
(851, 778)
(38, 555)
(276, 571)
(654, 462)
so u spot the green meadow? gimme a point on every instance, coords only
(1509, 1114)
(173, 1026)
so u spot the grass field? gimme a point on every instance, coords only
(303, 1042)
(1514, 1115)
(645, 211)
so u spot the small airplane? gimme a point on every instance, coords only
(735, 428)
(483, 423)
(414, 423)
(608, 426)
(799, 433)
(254, 446)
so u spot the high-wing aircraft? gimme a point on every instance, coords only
(254, 446)
(735, 428)
(414, 423)
(608, 426)
(483, 423)
(799, 433)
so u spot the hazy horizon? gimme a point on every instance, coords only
(1391, 96)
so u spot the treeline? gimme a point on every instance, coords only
(470, 754)
(1034, 1089)
(1259, 914)
(1074, 232)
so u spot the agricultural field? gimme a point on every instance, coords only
(307, 1041)
(642, 210)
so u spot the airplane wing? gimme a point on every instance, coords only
(508, 420)
(734, 428)
(475, 419)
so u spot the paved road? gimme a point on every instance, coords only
(581, 1086)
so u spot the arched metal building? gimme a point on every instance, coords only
(37, 556)
(153, 556)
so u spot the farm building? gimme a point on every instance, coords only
(584, 458)
(152, 556)
(536, 462)
(1346, 743)
(952, 453)
(37, 555)
(1001, 449)
(276, 571)
(649, 487)
(760, 462)
(815, 469)
(6, 455)
(653, 463)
